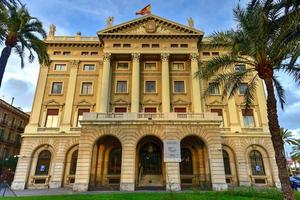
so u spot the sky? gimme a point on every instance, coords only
(88, 17)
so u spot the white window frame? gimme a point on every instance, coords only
(175, 62)
(120, 69)
(46, 119)
(116, 86)
(155, 86)
(212, 94)
(54, 67)
(62, 88)
(92, 87)
(147, 62)
(183, 85)
(88, 65)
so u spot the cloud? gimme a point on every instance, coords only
(21, 90)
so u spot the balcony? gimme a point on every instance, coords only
(157, 117)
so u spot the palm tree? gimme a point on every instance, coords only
(21, 32)
(266, 41)
(287, 137)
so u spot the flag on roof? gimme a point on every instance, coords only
(145, 11)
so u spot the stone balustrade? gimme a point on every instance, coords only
(129, 116)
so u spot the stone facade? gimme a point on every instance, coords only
(106, 104)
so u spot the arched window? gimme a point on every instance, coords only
(73, 162)
(43, 163)
(115, 159)
(226, 163)
(186, 164)
(257, 164)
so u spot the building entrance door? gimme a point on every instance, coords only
(150, 165)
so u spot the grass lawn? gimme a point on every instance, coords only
(245, 194)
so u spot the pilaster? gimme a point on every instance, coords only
(196, 99)
(66, 123)
(165, 80)
(173, 176)
(135, 91)
(103, 98)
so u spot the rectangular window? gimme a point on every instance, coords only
(88, 67)
(184, 45)
(84, 53)
(56, 88)
(174, 45)
(126, 45)
(121, 87)
(180, 109)
(179, 87)
(13, 121)
(240, 68)
(155, 45)
(150, 110)
(57, 53)
(206, 53)
(248, 118)
(242, 88)
(122, 65)
(52, 118)
(60, 67)
(116, 45)
(120, 109)
(150, 86)
(5, 153)
(213, 89)
(9, 137)
(80, 115)
(178, 66)
(215, 53)
(94, 53)
(66, 53)
(87, 88)
(150, 66)
(145, 45)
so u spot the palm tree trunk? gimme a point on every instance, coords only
(3, 61)
(277, 141)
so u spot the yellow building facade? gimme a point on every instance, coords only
(123, 110)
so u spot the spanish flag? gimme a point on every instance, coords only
(145, 11)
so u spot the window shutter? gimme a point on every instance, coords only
(247, 112)
(150, 110)
(219, 111)
(52, 112)
(120, 109)
(81, 111)
(180, 110)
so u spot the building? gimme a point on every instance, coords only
(123, 110)
(12, 124)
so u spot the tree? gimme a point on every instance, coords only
(21, 32)
(266, 41)
(288, 138)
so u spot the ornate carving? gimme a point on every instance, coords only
(194, 57)
(135, 56)
(191, 22)
(74, 63)
(165, 57)
(52, 30)
(109, 21)
(151, 26)
(106, 56)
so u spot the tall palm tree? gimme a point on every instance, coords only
(22, 33)
(266, 40)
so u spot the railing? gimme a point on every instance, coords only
(151, 116)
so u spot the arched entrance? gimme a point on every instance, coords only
(194, 165)
(150, 164)
(106, 164)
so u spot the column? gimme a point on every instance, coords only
(128, 166)
(38, 100)
(196, 98)
(103, 98)
(262, 99)
(165, 83)
(233, 116)
(173, 176)
(66, 123)
(135, 85)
